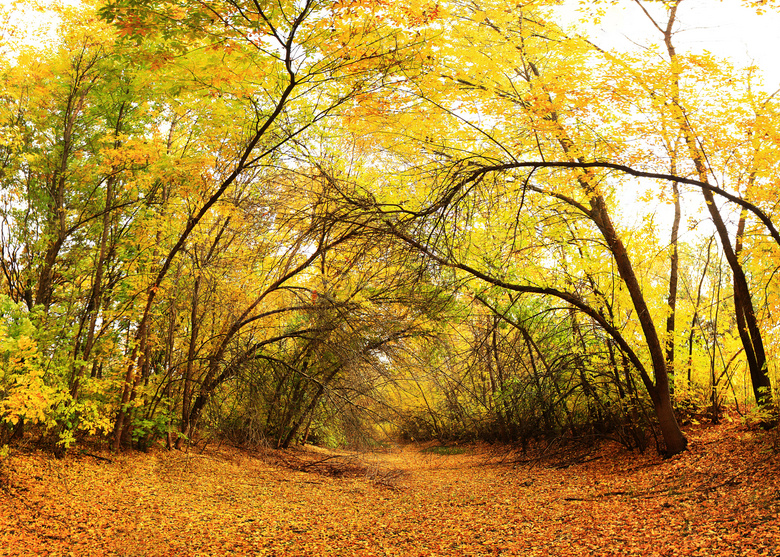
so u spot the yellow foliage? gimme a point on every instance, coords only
(27, 396)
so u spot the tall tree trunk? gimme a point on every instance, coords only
(673, 437)
(695, 318)
(131, 376)
(674, 440)
(715, 349)
(749, 331)
(57, 225)
(96, 292)
(186, 426)
(296, 424)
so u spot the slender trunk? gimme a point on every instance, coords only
(540, 393)
(713, 354)
(57, 225)
(82, 351)
(131, 380)
(674, 439)
(750, 332)
(186, 428)
(296, 425)
(673, 281)
(44, 292)
(595, 406)
(96, 292)
(503, 410)
(695, 318)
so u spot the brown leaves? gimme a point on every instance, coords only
(718, 498)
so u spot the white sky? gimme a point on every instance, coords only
(723, 27)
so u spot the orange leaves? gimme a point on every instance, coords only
(421, 13)
(352, 6)
(132, 26)
(128, 153)
(719, 498)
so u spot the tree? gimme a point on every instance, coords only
(297, 78)
(193, 193)
(683, 116)
(512, 97)
(74, 114)
(529, 90)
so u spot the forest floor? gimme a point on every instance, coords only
(721, 497)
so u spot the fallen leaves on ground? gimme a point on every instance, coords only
(721, 497)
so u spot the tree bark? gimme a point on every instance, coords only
(673, 437)
(673, 282)
(185, 426)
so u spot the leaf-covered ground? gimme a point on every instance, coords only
(722, 497)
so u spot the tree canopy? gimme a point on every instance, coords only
(316, 220)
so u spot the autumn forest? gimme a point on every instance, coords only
(337, 221)
(472, 228)
(348, 223)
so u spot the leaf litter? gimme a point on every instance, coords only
(721, 497)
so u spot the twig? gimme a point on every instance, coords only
(731, 481)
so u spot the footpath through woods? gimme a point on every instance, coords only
(722, 497)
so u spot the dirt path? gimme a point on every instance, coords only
(719, 498)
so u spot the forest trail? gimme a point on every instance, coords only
(719, 498)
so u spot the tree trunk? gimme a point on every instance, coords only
(186, 427)
(673, 280)
(96, 292)
(749, 331)
(673, 437)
